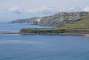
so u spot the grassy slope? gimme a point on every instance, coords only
(82, 24)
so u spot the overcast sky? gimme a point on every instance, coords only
(33, 6)
(37, 5)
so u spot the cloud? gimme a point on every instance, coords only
(39, 5)
(13, 9)
(86, 9)
(34, 6)
(19, 9)
(41, 8)
(16, 10)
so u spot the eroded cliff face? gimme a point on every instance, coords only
(56, 20)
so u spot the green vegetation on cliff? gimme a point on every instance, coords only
(82, 24)
(55, 20)
(43, 31)
(72, 25)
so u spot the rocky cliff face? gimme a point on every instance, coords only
(55, 20)
(29, 20)
(62, 18)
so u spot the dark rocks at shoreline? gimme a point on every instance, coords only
(55, 31)
(51, 34)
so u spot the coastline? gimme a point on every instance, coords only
(61, 34)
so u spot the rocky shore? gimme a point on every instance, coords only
(61, 32)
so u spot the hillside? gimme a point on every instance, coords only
(56, 20)
(82, 24)
(28, 20)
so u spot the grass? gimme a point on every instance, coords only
(82, 24)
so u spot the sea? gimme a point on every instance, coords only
(41, 47)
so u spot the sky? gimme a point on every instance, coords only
(8, 7)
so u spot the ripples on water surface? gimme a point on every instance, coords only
(42, 47)
(38, 47)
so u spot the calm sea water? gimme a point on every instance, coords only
(16, 27)
(42, 47)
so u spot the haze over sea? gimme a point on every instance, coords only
(41, 47)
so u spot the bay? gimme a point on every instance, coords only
(41, 47)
